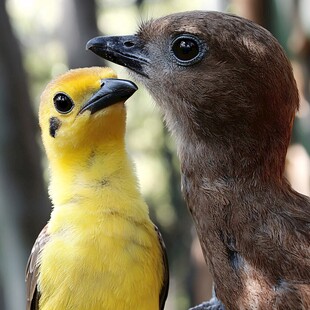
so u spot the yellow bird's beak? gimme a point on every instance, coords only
(111, 91)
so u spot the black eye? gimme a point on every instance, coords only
(63, 103)
(187, 49)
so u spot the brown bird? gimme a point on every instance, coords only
(228, 96)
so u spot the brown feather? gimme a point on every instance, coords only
(32, 271)
(164, 290)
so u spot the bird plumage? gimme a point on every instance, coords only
(100, 249)
(228, 96)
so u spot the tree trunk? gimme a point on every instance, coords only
(79, 26)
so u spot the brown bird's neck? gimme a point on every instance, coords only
(237, 145)
(231, 163)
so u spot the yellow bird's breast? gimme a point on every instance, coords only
(100, 261)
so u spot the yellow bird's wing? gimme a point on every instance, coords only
(165, 287)
(32, 271)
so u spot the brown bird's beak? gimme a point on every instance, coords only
(111, 91)
(126, 51)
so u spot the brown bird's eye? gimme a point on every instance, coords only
(187, 49)
(63, 103)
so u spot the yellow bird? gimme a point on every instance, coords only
(100, 249)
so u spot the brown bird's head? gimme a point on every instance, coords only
(219, 79)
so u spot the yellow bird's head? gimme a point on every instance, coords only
(83, 108)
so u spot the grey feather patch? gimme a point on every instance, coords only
(55, 123)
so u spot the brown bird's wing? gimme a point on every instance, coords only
(32, 271)
(165, 287)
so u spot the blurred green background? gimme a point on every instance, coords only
(40, 39)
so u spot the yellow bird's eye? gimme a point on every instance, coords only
(63, 103)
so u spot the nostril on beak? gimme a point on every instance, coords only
(128, 44)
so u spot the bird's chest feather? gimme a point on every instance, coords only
(241, 249)
(112, 263)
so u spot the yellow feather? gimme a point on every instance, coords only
(103, 251)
